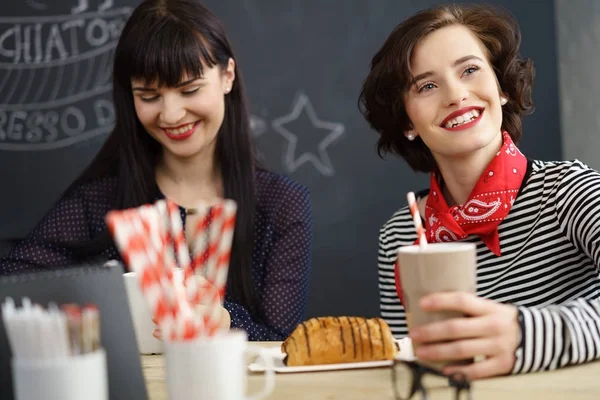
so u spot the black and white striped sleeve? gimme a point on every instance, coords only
(391, 308)
(578, 208)
(558, 335)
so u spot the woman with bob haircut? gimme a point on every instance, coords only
(446, 92)
(182, 132)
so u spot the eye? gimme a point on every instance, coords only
(426, 87)
(471, 70)
(149, 99)
(190, 91)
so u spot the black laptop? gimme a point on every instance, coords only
(102, 286)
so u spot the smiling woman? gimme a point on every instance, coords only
(447, 92)
(459, 80)
(183, 132)
(195, 107)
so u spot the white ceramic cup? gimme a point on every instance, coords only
(142, 315)
(214, 368)
(69, 378)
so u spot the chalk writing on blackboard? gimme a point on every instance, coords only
(36, 5)
(84, 5)
(55, 75)
(81, 6)
(319, 157)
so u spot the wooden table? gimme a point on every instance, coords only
(577, 382)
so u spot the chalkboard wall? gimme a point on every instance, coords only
(303, 61)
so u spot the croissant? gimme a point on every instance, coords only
(333, 340)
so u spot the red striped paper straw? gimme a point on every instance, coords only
(217, 275)
(132, 230)
(137, 246)
(168, 241)
(224, 252)
(180, 247)
(414, 211)
(171, 244)
(204, 245)
(214, 241)
(194, 290)
(180, 318)
(182, 253)
(207, 239)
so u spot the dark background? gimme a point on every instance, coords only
(303, 62)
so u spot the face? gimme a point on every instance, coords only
(185, 119)
(455, 104)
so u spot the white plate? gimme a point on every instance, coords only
(278, 365)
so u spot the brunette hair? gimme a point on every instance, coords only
(161, 41)
(381, 99)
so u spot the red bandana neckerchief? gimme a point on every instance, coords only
(487, 206)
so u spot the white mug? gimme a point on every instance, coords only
(214, 368)
(70, 378)
(142, 315)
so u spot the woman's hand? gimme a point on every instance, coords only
(490, 329)
(225, 318)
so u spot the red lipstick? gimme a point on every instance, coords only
(460, 112)
(181, 136)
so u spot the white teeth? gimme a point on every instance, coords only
(463, 119)
(181, 130)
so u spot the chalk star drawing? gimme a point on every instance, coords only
(319, 158)
(258, 127)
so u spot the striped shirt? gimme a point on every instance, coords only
(550, 243)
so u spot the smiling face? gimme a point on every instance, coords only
(185, 119)
(454, 105)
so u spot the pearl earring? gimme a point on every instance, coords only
(410, 136)
(503, 100)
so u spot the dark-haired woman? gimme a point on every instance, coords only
(446, 92)
(182, 132)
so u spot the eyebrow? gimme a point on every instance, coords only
(146, 89)
(454, 64)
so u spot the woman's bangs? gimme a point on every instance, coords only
(169, 54)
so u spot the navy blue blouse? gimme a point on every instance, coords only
(281, 259)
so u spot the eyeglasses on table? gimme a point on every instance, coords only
(407, 379)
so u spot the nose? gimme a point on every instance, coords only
(456, 93)
(172, 111)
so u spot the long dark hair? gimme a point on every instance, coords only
(162, 40)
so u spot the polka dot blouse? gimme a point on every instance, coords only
(281, 258)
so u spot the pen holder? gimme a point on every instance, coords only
(70, 378)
